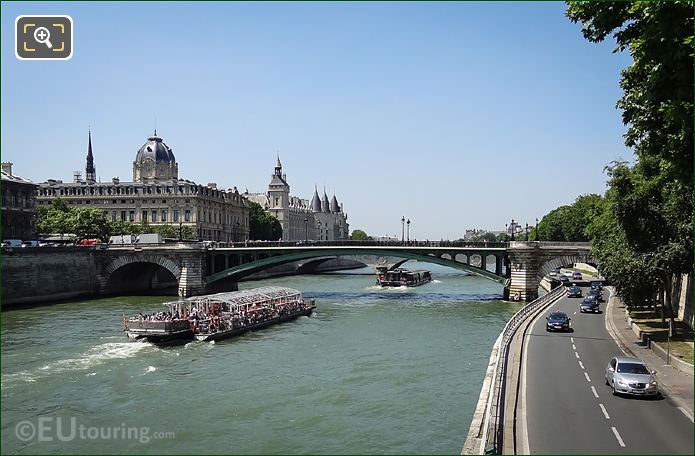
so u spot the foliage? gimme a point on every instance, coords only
(359, 235)
(568, 223)
(262, 225)
(488, 236)
(643, 235)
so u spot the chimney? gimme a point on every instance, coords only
(7, 167)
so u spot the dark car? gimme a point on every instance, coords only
(565, 281)
(589, 305)
(574, 292)
(597, 294)
(557, 321)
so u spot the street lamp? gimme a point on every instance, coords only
(306, 229)
(513, 228)
(527, 231)
(402, 229)
(408, 222)
(180, 230)
(537, 238)
(506, 233)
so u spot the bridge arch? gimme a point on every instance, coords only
(244, 270)
(141, 273)
(561, 261)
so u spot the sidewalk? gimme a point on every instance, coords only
(675, 384)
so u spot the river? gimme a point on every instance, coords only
(371, 371)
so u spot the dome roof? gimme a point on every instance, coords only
(155, 149)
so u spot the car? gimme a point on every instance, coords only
(574, 292)
(565, 281)
(567, 274)
(589, 305)
(557, 321)
(597, 294)
(552, 274)
(596, 284)
(631, 376)
(577, 275)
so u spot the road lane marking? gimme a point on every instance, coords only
(617, 436)
(581, 365)
(574, 347)
(587, 377)
(605, 413)
(685, 412)
(593, 390)
(575, 313)
(576, 354)
(572, 339)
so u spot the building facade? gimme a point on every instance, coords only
(300, 219)
(156, 196)
(18, 205)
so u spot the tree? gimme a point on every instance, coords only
(263, 226)
(645, 234)
(359, 235)
(90, 223)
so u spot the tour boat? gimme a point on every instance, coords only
(220, 316)
(401, 277)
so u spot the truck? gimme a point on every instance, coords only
(122, 239)
(150, 238)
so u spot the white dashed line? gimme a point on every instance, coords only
(605, 413)
(581, 365)
(685, 412)
(587, 377)
(617, 436)
(576, 354)
(574, 347)
(572, 339)
(593, 390)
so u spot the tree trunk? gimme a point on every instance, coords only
(668, 285)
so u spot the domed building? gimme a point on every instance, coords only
(156, 196)
(155, 161)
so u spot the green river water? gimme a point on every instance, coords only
(371, 371)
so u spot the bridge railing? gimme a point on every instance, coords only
(548, 244)
(368, 243)
(493, 424)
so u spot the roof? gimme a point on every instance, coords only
(15, 178)
(247, 297)
(155, 149)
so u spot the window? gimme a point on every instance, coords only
(131, 216)
(187, 216)
(154, 216)
(164, 215)
(113, 216)
(176, 215)
(123, 215)
(144, 216)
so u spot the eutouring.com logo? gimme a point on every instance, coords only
(68, 429)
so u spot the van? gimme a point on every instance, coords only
(12, 242)
(30, 244)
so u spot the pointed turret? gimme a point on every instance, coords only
(278, 167)
(325, 205)
(90, 170)
(335, 207)
(316, 201)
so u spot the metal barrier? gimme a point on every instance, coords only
(493, 425)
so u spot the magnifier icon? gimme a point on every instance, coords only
(42, 35)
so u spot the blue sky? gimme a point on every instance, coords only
(454, 115)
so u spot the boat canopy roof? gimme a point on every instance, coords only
(245, 297)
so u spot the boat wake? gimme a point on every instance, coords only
(95, 356)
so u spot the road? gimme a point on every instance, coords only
(569, 409)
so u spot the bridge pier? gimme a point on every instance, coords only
(525, 273)
(191, 282)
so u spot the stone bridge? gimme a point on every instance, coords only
(195, 268)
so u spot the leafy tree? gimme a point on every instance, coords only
(359, 235)
(262, 225)
(90, 223)
(644, 235)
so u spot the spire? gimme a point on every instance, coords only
(278, 166)
(90, 170)
(325, 205)
(316, 201)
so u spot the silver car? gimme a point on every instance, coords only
(631, 376)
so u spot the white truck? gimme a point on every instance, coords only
(150, 238)
(122, 239)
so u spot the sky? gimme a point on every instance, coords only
(453, 115)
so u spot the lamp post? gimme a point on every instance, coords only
(306, 229)
(408, 223)
(319, 229)
(537, 237)
(527, 231)
(402, 229)
(512, 226)
(506, 233)
(180, 230)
